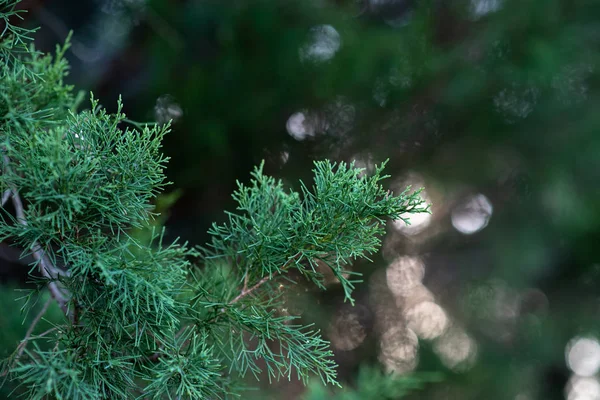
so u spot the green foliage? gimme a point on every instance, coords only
(499, 102)
(16, 324)
(32, 92)
(85, 175)
(371, 383)
(142, 321)
(275, 232)
(338, 221)
(16, 38)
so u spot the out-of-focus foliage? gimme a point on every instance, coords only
(371, 383)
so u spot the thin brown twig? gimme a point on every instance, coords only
(47, 269)
(245, 291)
(23, 344)
(6, 196)
(46, 332)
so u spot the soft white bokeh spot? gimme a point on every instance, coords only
(322, 45)
(480, 8)
(166, 109)
(456, 349)
(583, 356)
(299, 127)
(582, 388)
(399, 348)
(418, 223)
(416, 295)
(427, 319)
(346, 331)
(404, 274)
(472, 215)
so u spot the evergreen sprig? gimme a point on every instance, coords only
(273, 232)
(15, 38)
(141, 319)
(339, 220)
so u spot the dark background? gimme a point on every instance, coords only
(490, 105)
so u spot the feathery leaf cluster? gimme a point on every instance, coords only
(338, 221)
(142, 321)
(273, 233)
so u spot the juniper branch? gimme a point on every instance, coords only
(46, 268)
(6, 196)
(274, 231)
(46, 332)
(81, 189)
(245, 291)
(29, 332)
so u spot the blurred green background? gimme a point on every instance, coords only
(491, 105)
